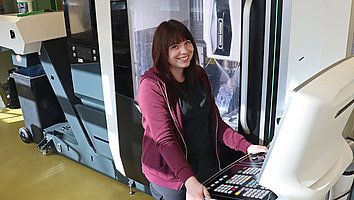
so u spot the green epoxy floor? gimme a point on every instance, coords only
(27, 174)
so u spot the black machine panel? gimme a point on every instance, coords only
(223, 23)
(82, 54)
(239, 180)
(121, 48)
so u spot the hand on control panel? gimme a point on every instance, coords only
(257, 152)
(257, 156)
(255, 149)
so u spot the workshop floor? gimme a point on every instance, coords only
(27, 174)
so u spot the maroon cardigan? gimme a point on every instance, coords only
(164, 158)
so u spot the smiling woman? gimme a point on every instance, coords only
(181, 120)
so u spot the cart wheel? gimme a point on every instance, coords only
(25, 135)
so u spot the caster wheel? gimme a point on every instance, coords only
(25, 135)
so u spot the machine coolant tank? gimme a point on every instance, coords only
(24, 33)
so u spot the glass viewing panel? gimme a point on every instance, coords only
(219, 48)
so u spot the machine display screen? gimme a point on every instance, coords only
(81, 26)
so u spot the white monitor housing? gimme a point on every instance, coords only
(309, 154)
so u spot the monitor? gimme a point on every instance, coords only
(308, 153)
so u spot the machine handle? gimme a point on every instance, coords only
(244, 64)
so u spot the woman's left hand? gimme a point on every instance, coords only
(254, 149)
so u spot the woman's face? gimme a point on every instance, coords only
(180, 55)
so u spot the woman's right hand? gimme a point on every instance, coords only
(195, 190)
(254, 149)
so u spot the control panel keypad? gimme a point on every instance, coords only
(251, 170)
(238, 179)
(241, 184)
(252, 184)
(255, 193)
(227, 189)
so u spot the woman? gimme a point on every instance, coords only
(181, 120)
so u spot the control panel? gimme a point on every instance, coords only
(238, 180)
(83, 54)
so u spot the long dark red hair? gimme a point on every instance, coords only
(166, 34)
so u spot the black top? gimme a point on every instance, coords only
(195, 106)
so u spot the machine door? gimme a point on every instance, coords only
(129, 117)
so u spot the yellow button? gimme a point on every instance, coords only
(237, 193)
